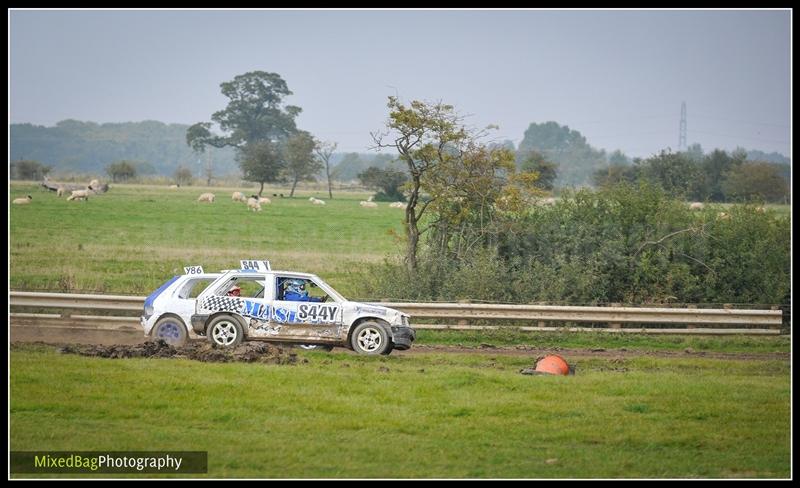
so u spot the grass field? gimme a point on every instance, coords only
(421, 415)
(591, 340)
(134, 237)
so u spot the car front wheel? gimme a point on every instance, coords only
(225, 331)
(371, 338)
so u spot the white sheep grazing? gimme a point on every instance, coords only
(94, 184)
(368, 204)
(22, 201)
(318, 202)
(696, 206)
(60, 191)
(398, 205)
(252, 204)
(760, 209)
(80, 195)
(311, 199)
(206, 197)
(723, 216)
(238, 197)
(264, 200)
(173, 187)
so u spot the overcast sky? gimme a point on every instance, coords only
(618, 77)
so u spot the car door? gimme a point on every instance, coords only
(301, 321)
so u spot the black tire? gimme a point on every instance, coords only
(171, 330)
(316, 347)
(225, 331)
(371, 338)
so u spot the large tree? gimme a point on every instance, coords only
(255, 114)
(388, 182)
(262, 162)
(301, 164)
(755, 180)
(425, 136)
(568, 148)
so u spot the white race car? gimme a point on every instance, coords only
(257, 303)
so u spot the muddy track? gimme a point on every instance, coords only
(592, 352)
(248, 352)
(257, 351)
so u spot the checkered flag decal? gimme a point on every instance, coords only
(222, 304)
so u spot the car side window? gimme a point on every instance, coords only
(193, 288)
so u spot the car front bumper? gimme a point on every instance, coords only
(403, 337)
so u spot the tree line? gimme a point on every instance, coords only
(714, 177)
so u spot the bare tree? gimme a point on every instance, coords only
(324, 151)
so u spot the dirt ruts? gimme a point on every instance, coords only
(248, 352)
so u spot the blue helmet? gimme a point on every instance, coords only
(295, 286)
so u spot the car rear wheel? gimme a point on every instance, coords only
(225, 331)
(170, 330)
(371, 338)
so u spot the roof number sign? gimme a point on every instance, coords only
(192, 270)
(252, 264)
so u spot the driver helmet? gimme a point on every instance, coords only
(235, 291)
(296, 286)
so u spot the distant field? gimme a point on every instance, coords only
(134, 237)
(421, 415)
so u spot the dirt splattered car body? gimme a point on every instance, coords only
(253, 304)
(168, 310)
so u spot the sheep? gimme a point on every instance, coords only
(206, 197)
(368, 204)
(80, 195)
(316, 201)
(173, 187)
(252, 204)
(264, 200)
(760, 210)
(22, 201)
(696, 206)
(238, 197)
(94, 184)
(723, 216)
(60, 191)
(398, 205)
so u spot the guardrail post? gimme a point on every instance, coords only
(463, 321)
(775, 307)
(691, 326)
(615, 325)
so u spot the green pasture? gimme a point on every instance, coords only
(133, 238)
(511, 336)
(414, 416)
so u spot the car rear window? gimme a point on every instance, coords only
(193, 288)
